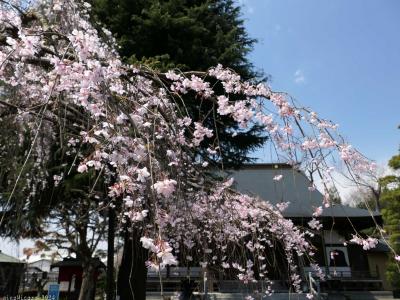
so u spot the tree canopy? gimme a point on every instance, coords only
(188, 35)
(390, 200)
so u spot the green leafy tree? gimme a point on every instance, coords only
(22, 218)
(390, 201)
(184, 34)
(65, 214)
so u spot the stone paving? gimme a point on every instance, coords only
(380, 295)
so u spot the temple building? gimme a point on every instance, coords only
(346, 265)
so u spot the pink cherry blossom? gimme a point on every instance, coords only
(165, 187)
(318, 211)
(367, 244)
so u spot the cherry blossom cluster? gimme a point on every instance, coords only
(162, 253)
(366, 243)
(284, 123)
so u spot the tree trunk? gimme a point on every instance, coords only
(110, 255)
(88, 282)
(132, 275)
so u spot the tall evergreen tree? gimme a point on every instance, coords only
(188, 35)
(390, 201)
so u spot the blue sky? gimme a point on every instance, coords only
(341, 58)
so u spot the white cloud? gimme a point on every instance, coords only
(299, 77)
(14, 248)
(250, 10)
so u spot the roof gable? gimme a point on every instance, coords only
(4, 258)
(258, 180)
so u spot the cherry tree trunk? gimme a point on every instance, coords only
(132, 275)
(88, 282)
(110, 288)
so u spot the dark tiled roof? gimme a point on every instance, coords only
(73, 262)
(257, 180)
(4, 258)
